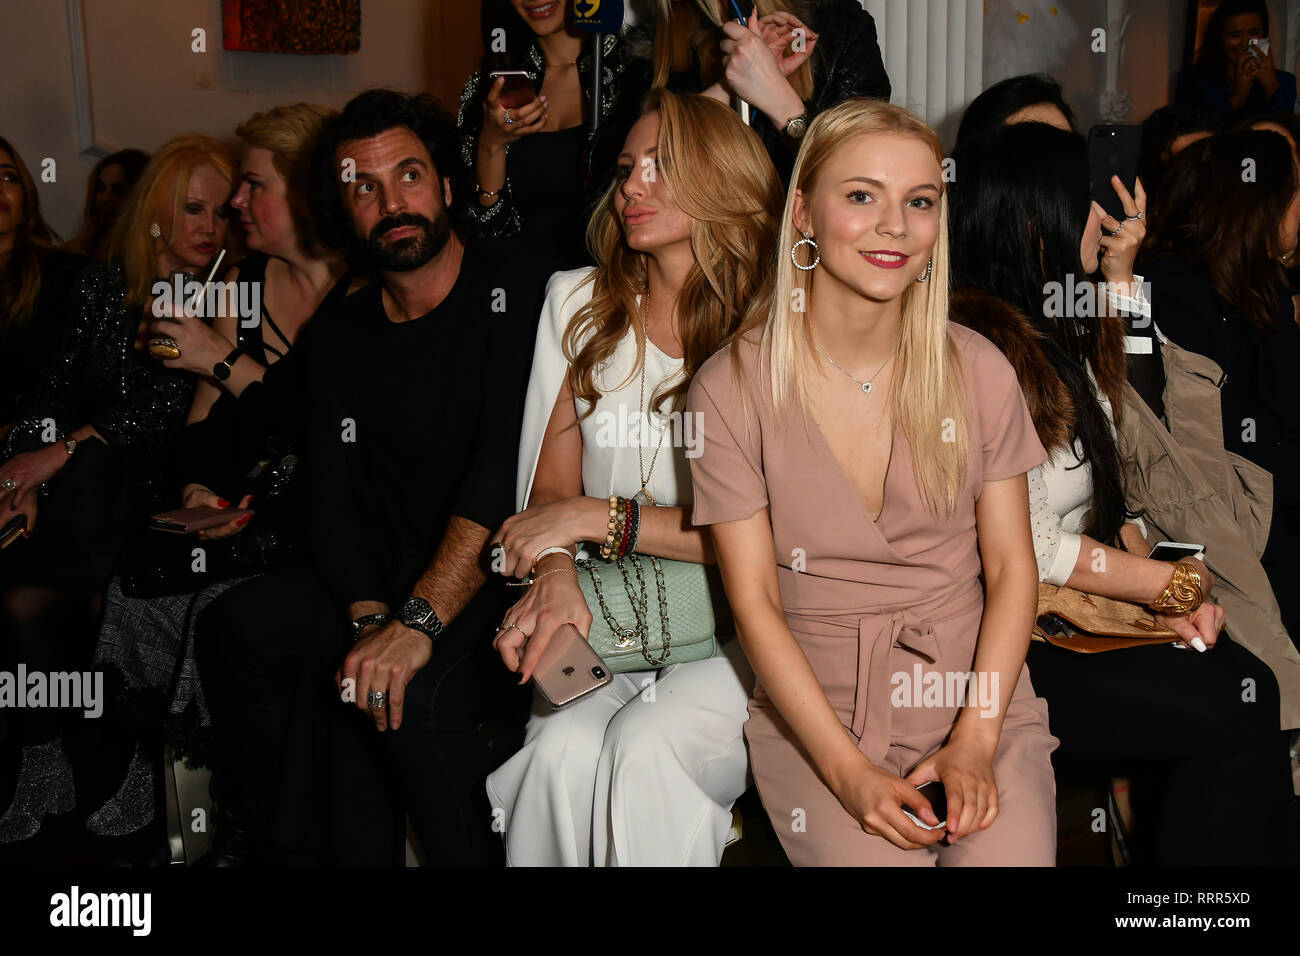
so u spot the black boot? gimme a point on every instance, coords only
(232, 843)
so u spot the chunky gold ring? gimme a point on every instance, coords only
(164, 347)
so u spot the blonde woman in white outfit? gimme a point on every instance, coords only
(645, 770)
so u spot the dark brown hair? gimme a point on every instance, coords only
(20, 278)
(1221, 205)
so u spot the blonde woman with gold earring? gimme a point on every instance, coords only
(864, 479)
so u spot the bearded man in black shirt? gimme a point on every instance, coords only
(412, 391)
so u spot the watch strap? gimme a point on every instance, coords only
(221, 371)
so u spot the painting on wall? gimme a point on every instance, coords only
(291, 26)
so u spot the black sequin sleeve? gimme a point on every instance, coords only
(95, 377)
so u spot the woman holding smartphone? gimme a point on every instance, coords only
(1234, 74)
(523, 144)
(643, 771)
(95, 429)
(863, 464)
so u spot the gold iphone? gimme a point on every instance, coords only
(569, 669)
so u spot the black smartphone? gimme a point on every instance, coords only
(933, 791)
(12, 530)
(1113, 151)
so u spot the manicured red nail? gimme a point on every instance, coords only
(223, 503)
(240, 522)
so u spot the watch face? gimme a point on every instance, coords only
(797, 127)
(416, 609)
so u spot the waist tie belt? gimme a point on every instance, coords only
(878, 635)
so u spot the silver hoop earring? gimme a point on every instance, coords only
(929, 271)
(155, 230)
(807, 240)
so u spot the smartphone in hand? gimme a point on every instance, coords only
(569, 669)
(13, 530)
(1177, 551)
(1113, 151)
(932, 790)
(190, 520)
(518, 89)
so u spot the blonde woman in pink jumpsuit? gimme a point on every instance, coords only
(863, 467)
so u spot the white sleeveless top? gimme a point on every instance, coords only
(618, 424)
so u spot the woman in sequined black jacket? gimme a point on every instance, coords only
(88, 443)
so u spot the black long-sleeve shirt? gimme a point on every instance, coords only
(411, 423)
(94, 375)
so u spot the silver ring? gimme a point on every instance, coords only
(1138, 218)
(9, 484)
(508, 119)
(505, 627)
(375, 698)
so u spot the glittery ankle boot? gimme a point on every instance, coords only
(44, 786)
(133, 806)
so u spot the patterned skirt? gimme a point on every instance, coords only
(149, 642)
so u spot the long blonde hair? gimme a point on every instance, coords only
(164, 183)
(694, 29)
(925, 394)
(723, 179)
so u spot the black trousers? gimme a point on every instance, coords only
(1213, 784)
(319, 784)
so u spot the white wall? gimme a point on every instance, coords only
(143, 74)
(143, 78)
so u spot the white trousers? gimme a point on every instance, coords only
(642, 772)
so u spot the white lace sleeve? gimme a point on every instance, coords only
(1057, 550)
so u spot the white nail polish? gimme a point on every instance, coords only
(1199, 645)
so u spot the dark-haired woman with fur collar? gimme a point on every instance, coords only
(1178, 715)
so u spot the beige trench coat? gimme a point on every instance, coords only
(1187, 487)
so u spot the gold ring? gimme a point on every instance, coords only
(164, 347)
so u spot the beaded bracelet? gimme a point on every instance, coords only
(607, 549)
(627, 526)
(636, 526)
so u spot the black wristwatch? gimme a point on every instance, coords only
(221, 371)
(417, 613)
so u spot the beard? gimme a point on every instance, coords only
(404, 255)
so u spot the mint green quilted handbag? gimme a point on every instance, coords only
(629, 631)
